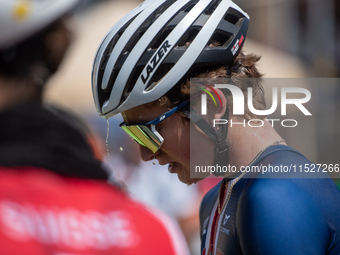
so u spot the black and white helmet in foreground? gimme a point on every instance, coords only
(151, 48)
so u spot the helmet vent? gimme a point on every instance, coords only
(126, 51)
(144, 27)
(159, 39)
(114, 41)
(231, 18)
(106, 55)
(159, 74)
(188, 37)
(188, 9)
(211, 8)
(219, 39)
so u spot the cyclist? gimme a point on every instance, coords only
(54, 195)
(142, 70)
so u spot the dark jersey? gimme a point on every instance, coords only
(275, 215)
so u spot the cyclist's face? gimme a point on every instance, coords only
(175, 151)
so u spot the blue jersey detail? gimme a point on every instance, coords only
(279, 215)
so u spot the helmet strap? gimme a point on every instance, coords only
(218, 136)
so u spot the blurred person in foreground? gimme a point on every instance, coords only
(54, 195)
(142, 70)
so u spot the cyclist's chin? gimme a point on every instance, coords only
(183, 174)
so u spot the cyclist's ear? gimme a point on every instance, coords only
(216, 108)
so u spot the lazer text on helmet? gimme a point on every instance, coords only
(154, 61)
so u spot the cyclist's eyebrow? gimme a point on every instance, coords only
(126, 119)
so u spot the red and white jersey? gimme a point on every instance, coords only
(43, 213)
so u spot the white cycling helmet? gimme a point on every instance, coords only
(146, 53)
(20, 19)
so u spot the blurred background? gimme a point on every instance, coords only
(296, 39)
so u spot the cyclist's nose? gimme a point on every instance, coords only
(146, 154)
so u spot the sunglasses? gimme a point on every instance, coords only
(146, 134)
